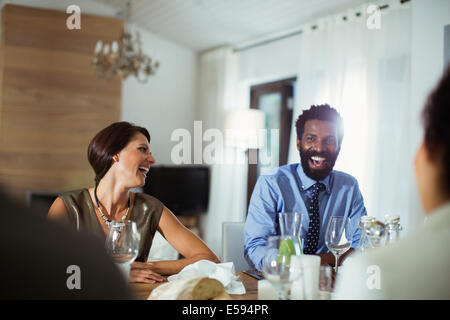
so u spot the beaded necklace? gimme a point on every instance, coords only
(108, 221)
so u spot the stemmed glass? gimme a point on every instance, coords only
(338, 237)
(277, 265)
(291, 225)
(122, 244)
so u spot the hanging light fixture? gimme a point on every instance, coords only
(124, 57)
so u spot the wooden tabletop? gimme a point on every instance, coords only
(141, 291)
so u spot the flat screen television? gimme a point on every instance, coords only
(182, 189)
(41, 201)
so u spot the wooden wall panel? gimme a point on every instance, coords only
(51, 102)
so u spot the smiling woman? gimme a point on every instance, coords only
(120, 156)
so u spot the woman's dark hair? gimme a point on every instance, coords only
(436, 121)
(320, 112)
(108, 142)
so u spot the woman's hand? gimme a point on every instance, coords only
(142, 272)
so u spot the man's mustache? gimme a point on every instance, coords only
(324, 154)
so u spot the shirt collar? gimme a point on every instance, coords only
(307, 182)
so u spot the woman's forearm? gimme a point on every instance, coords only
(170, 267)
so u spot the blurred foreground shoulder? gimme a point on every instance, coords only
(48, 260)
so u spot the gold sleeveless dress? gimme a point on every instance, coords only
(146, 212)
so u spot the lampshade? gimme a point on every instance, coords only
(245, 128)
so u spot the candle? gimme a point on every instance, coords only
(115, 47)
(98, 46)
(106, 49)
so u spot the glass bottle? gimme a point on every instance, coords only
(364, 225)
(393, 228)
(376, 233)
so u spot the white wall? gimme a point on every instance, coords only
(427, 63)
(427, 59)
(168, 100)
(270, 62)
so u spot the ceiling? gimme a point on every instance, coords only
(205, 24)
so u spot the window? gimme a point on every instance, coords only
(276, 100)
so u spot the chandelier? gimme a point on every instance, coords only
(123, 57)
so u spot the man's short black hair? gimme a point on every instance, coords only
(320, 112)
(436, 121)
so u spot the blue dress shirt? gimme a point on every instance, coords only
(289, 190)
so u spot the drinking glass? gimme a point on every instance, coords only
(291, 225)
(338, 237)
(277, 266)
(122, 244)
(325, 283)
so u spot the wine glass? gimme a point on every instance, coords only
(278, 268)
(291, 225)
(338, 237)
(122, 244)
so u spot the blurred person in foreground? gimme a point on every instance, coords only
(311, 186)
(121, 158)
(37, 263)
(417, 266)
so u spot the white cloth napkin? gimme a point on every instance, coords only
(223, 272)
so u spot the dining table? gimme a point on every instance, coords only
(141, 291)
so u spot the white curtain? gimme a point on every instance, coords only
(218, 95)
(364, 73)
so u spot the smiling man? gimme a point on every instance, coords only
(311, 186)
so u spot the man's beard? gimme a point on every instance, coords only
(317, 174)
